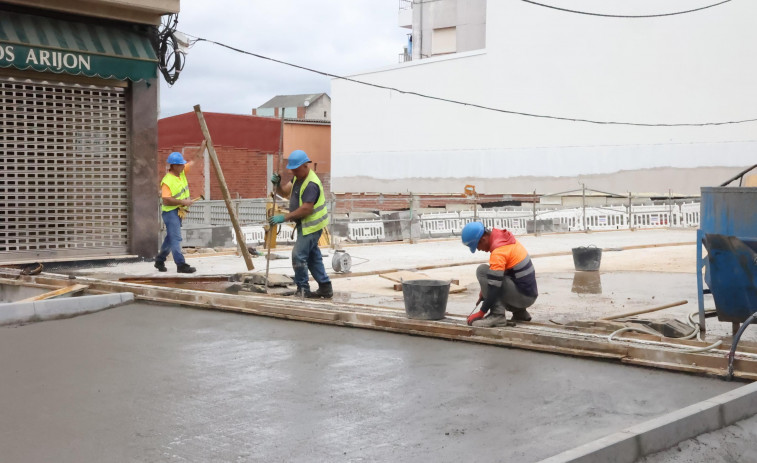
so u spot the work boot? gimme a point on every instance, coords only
(185, 268)
(521, 315)
(161, 266)
(325, 291)
(493, 320)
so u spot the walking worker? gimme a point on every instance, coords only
(175, 196)
(507, 283)
(307, 206)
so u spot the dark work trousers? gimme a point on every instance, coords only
(172, 242)
(511, 299)
(307, 256)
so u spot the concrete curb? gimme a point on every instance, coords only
(661, 433)
(24, 312)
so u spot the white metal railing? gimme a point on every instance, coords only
(370, 230)
(251, 213)
(214, 212)
(655, 216)
(256, 234)
(690, 214)
(440, 224)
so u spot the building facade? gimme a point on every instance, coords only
(311, 106)
(313, 137)
(78, 128)
(443, 26)
(552, 99)
(246, 147)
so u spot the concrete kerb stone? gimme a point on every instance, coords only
(24, 312)
(661, 433)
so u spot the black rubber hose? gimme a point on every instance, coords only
(735, 342)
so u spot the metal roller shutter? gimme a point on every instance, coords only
(63, 170)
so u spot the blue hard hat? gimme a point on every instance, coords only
(176, 158)
(297, 158)
(471, 235)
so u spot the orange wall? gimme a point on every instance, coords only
(314, 139)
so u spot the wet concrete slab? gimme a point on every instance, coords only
(733, 443)
(163, 383)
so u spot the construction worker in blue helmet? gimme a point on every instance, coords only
(307, 206)
(508, 282)
(175, 198)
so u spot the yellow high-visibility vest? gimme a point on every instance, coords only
(179, 188)
(320, 216)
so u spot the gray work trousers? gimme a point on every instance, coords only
(512, 299)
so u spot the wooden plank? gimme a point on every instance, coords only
(73, 289)
(427, 326)
(526, 336)
(407, 275)
(404, 275)
(167, 280)
(643, 311)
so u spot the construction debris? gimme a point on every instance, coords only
(67, 291)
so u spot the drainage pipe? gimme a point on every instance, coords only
(735, 342)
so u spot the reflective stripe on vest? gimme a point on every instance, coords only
(179, 188)
(319, 218)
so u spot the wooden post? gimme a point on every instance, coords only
(583, 206)
(224, 189)
(534, 204)
(643, 311)
(274, 228)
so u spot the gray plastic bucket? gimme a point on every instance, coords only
(425, 299)
(587, 258)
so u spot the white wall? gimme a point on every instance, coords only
(697, 67)
(468, 17)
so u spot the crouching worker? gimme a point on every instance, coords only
(507, 283)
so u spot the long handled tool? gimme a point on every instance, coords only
(272, 230)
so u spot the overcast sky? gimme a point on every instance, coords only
(336, 36)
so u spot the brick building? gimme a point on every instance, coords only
(246, 147)
(313, 137)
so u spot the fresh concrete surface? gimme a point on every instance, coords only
(664, 432)
(50, 309)
(732, 444)
(12, 293)
(155, 383)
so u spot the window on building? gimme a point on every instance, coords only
(444, 41)
(324, 114)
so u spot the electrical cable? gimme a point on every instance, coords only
(640, 329)
(623, 15)
(463, 103)
(170, 55)
(735, 343)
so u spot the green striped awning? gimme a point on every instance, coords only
(46, 44)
